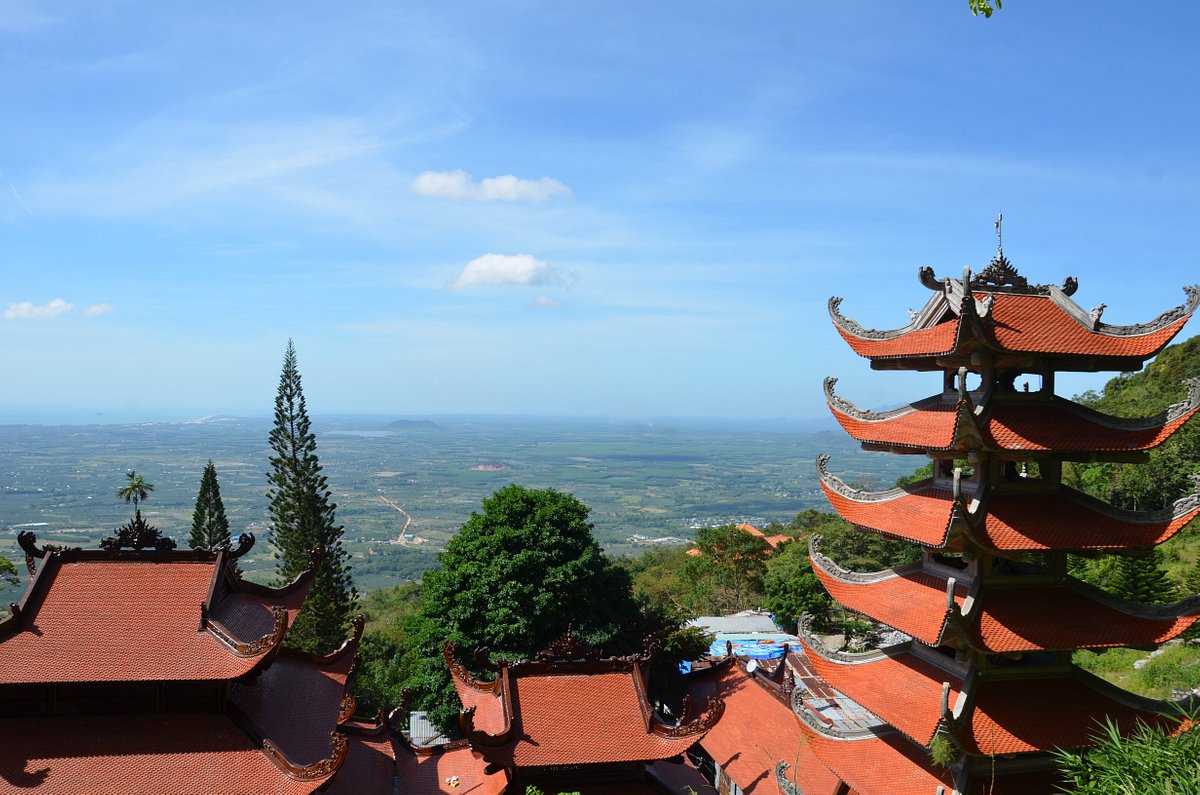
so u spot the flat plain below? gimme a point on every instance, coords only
(659, 480)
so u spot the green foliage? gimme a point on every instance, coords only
(1166, 477)
(383, 669)
(302, 520)
(516, 577)
(984, 7)
(791, 589)
(942, 751)
(1174, 667)
(1143, 579)
(135, 490)
(657, 578)
(732, 563)
(1147, 762)
(8, 572)
(210, 527)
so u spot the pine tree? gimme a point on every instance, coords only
(1143, 579)
(209, 525)
(302, 520)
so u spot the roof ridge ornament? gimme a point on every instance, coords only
(138, 535)
(1162, 321)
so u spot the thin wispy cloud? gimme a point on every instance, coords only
(546, 302)
(97, 309)
(459, 185)
(27, 310)
(492, 270)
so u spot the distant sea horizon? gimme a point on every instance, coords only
(376, 420)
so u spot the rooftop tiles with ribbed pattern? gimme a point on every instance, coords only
(114, 620)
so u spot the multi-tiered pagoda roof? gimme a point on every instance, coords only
(991, 610)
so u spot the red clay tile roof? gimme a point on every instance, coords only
(1062, 427)
(138, 755)
(920, 512)
(369, 769)
(900, 688)
(909, 600)
(105, 620)
(435, 773)
(939, 339)
(295, 703)
(1018, 324)
(556, 722)
(1063, 617)
(926, 425)
(890, 764)
(1067, 520)
(1035, 324)
(756, 732)
(1019, 715)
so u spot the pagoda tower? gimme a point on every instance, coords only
(993, 614)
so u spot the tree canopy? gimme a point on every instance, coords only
(303, 521)
(732, 563)
(210, 527)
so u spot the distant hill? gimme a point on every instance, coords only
(413, 425)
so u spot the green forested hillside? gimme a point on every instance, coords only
(1173, 570)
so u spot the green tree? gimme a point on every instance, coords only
(209, 525)
(515, 577)
(791, 589)
(8, 572)
(1143, 579)
(135, 490)
(303, 521)
(731, 561)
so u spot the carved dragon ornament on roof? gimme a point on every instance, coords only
(843, 406)
(28, 543)
(138, 535)
(853, 327)
(460, 672)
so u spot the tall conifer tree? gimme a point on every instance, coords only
(209, 525)
(302, 520)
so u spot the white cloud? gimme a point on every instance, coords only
(27, 310)
(546, 302)
(459, 185)
(493, 269)
(97, 309)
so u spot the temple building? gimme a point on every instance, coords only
(535, 723)
(139, 668)
(992, 612)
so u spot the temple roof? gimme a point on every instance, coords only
(999, 617)
(922, 512)
(1003, 315)
(879, 764)
(540, 712)
(952, 423)
(100, 616)
(300, 698)
(140, 755)
(755, 733)
(907, 598)
(1006, 521)
(1018, 715)
(902, 688)
(1071, 615)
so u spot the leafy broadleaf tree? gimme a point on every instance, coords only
(734, 562)
(209, 525)
(303, 522)
(8, 572)
(517, 576)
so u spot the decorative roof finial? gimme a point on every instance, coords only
(999, 234)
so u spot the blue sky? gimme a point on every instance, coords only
(622, 209)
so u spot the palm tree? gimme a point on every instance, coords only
(135, 489)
